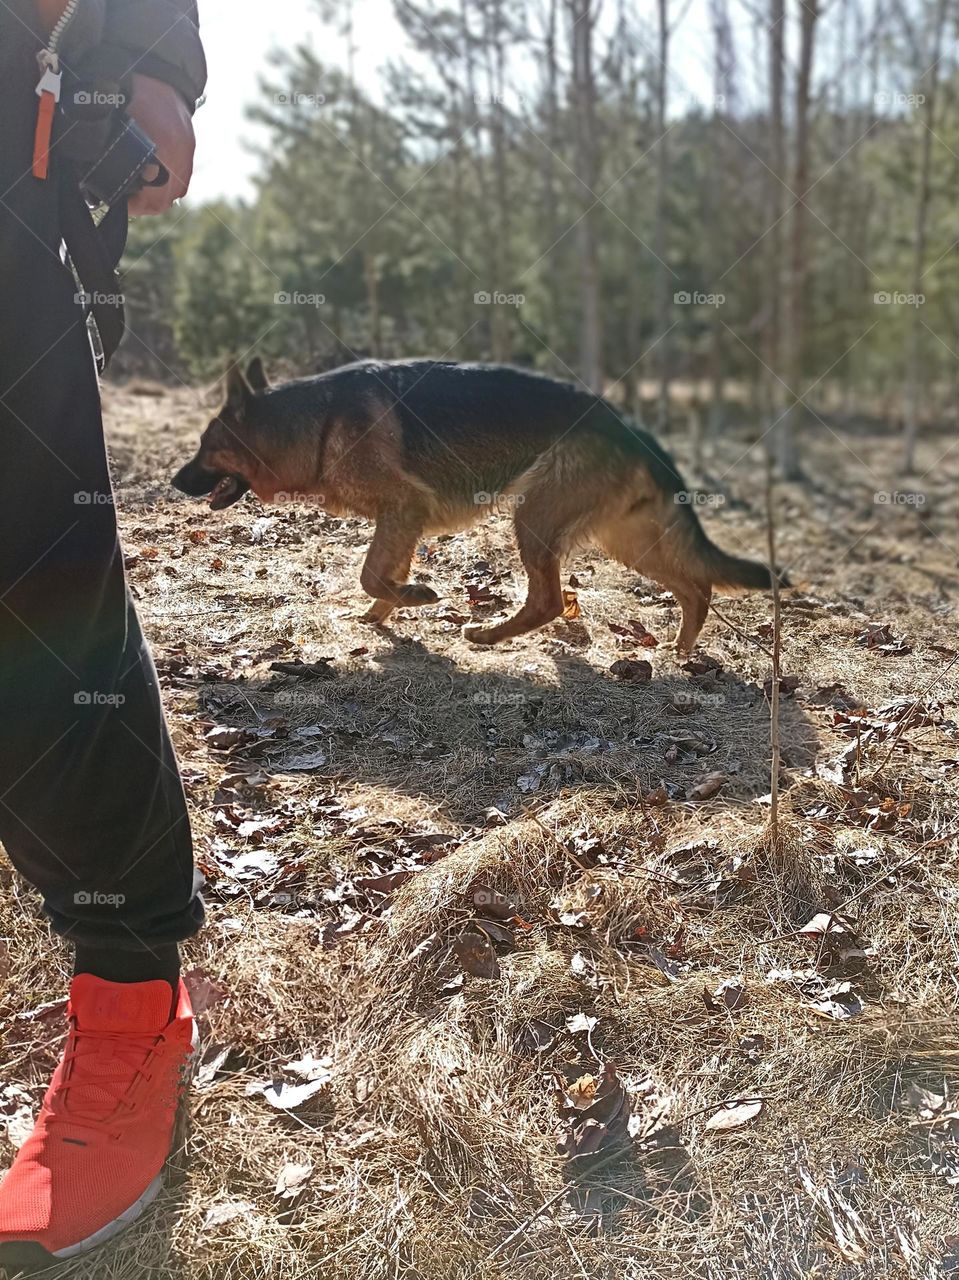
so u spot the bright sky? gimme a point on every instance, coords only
(239, 34)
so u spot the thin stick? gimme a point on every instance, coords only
(774, 698)
(904, 722)
(618, 1154)
(739, 631)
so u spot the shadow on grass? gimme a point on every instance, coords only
(412, 721)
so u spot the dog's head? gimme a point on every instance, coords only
(225, 466)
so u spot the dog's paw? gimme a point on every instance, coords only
(376, 614)
(417, 593)
(481, 635)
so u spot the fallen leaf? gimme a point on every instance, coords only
(536, 1036)
(879, 638)
(284, 1096)
(729, 995)
(16, 1114)
(213, 1061)
(920, 1099)
(291, 1179)
(571, 609)
(475, 953)
(707, 787)
(634, 670)
(226, 1211)
(384, 884)
(310, 1068)
(205, 992)
(303, 762)
(839, 1002)
(734, 1117)
(318, 670)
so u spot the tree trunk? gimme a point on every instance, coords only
(930, 80)
(663, 285)
(794, 363)
(582, 18)
(770, 389)
(371, 274)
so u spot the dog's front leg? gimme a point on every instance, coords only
(387, 566)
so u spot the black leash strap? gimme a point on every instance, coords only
(95, 251)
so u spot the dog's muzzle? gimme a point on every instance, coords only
(197, 482)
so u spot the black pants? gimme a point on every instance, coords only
(91, 805)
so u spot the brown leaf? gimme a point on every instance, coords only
(495, 932)
(571, 609)
(635, 670)
(536, 1036)
(702, 665)
(318, 670)
(493, 903)
(475, 953)
(708, 787)
(729, 995)
(205, 992)
(787, 686)
(384, 884)
(657, 797)
(879, 638)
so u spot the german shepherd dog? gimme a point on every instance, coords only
(429, 446)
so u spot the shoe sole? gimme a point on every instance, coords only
(30, 1253)
(126, 1219)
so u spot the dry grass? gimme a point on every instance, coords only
(433, 1149)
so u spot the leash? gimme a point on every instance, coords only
(102, 158)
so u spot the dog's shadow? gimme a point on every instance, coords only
(410, 720)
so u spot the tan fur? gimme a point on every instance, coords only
(575, 492)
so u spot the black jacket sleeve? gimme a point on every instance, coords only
(158, 38)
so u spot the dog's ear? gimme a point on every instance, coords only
(256, 375)
(238, 393)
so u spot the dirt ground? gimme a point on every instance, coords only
(503, 975)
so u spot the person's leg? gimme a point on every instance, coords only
(91, 806)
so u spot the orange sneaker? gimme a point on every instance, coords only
(95, 1158)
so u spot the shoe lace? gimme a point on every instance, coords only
(91, 1097)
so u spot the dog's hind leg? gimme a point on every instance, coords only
(693, 598)
(540, 549)
(654, 540)
(387, 565)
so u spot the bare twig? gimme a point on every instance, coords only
(739, 632)
(904, 722)
(567, 1186)
(776, 650)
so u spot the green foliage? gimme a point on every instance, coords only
(376, 222)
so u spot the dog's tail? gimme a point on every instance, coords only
(722, 570)
(705, 562)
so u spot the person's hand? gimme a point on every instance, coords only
(160, 111)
